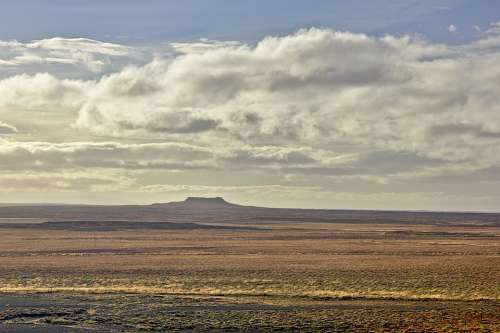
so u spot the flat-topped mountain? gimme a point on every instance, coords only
(200, 203)
(206, 201)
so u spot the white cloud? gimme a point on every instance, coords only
(490, 38)
(66, 56)
(81, 44)
(42, 92)
(317, 102)
(319, 89)
(452, 28)
(494, 29)
(203, 45)
(7, 129)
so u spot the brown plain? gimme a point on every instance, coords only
(271, 269)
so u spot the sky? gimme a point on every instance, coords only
(341, 104)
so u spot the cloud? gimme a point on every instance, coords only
(255, 189)
(63, 181)
(42, 92)
(314, 103)
(178, 157)
(7, 129)
(84, 45)
(494, 29)
(452, 28)
(66, 56)
(50, 156)
(203, 45)
(317, 88)
(490, 37)
(463, 129)
(46, 156)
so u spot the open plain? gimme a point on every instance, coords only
(213, 266)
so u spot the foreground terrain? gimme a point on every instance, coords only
(212, 266)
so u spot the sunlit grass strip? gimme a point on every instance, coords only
(337, 294)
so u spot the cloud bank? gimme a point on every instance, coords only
(315, 103)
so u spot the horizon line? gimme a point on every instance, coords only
(39, 204)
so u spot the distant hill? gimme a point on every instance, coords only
(200, 203)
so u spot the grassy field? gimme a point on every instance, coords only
(285, 276)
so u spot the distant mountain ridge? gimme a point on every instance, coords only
(217, 209)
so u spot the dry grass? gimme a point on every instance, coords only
(285, 265)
